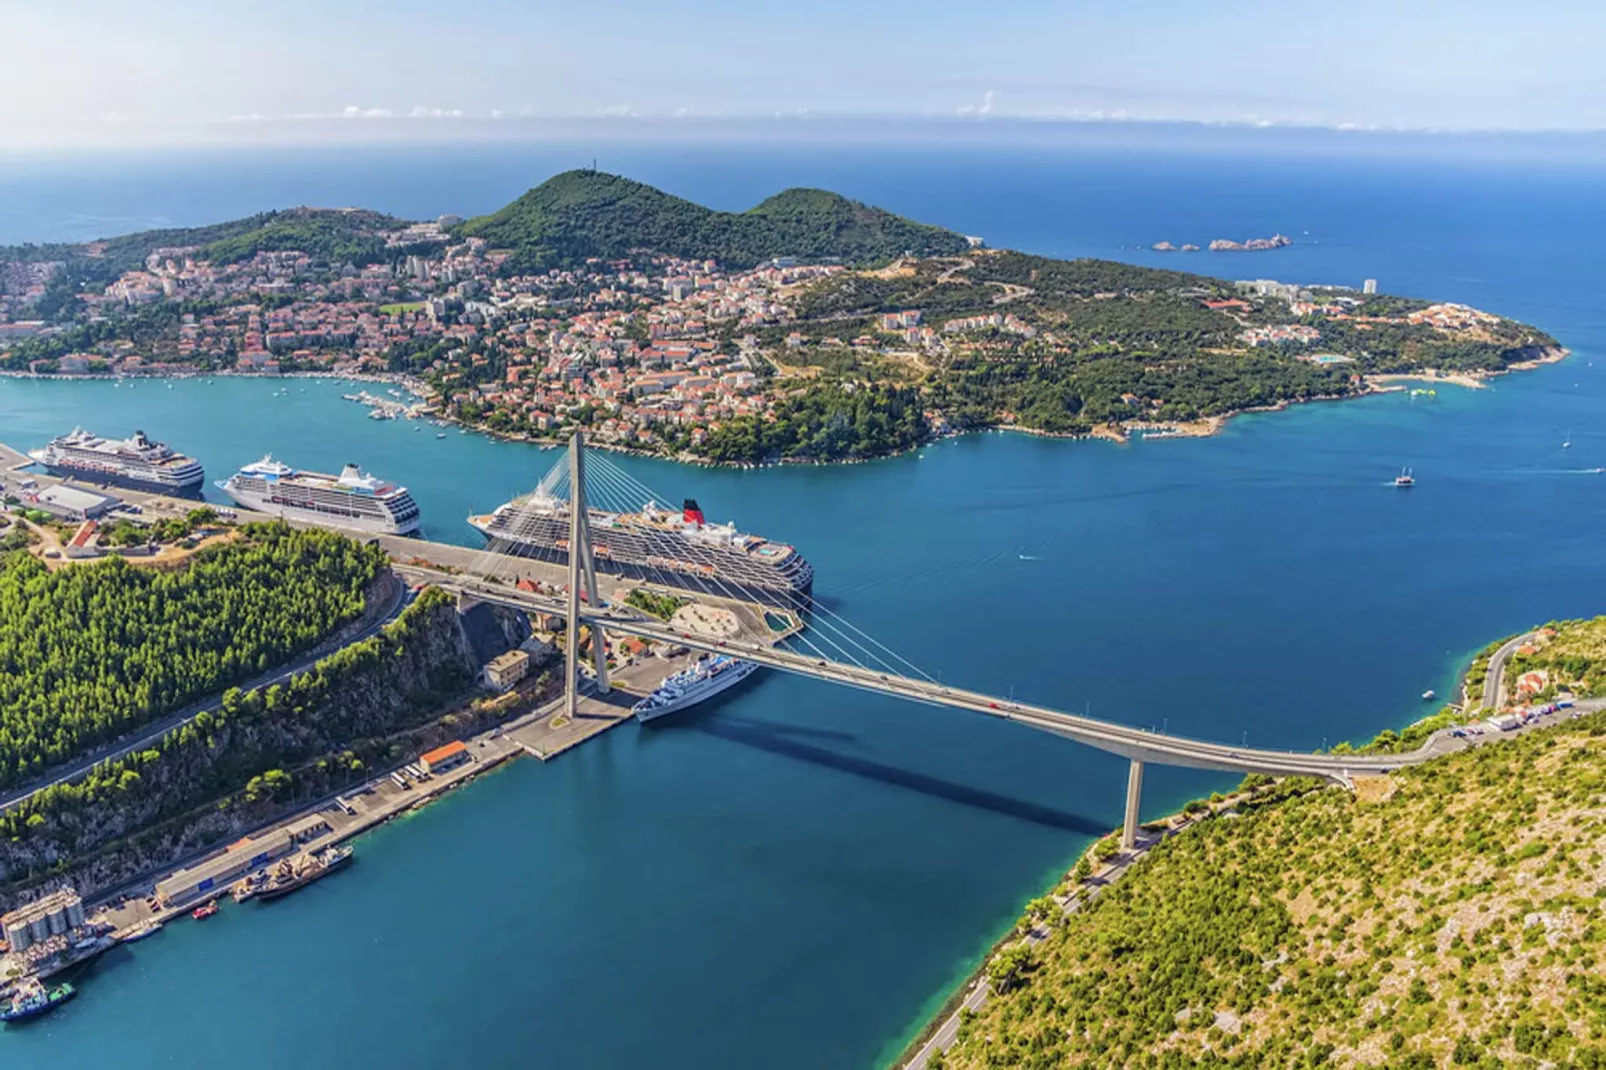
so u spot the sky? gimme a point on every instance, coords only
(83, 73)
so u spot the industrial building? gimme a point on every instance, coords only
(35, 922)
(217, 872)
(73, 503)
(442, 758)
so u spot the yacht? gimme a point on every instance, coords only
(708, 676)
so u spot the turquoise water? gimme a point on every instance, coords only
(792, 877)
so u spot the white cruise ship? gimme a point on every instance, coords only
(134, 462)
(350, 500)
(707, 677)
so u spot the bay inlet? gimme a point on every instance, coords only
(825, 864)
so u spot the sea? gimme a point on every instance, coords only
(796, 876)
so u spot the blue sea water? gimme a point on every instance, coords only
(795, 876)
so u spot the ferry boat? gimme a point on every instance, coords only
(32, 999)
(708, 676)
(657, 545)
(136, 462)
(350, 500)
(294, 874)
(1405, 479)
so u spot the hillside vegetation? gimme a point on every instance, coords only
(1448, 916)
(1113, 343)
(1571, 655)
(257, 756)
(90, 652)
(580, 214)
(330, 235)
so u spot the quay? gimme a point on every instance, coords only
(209, 875)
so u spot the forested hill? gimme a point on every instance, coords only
(580, 214)
(337, 235)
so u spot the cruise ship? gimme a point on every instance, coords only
(658, 545)
(350, 500)
(707, 677)
(133, 462)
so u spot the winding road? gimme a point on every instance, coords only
(1494, 683)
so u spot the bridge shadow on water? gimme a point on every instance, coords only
(787, 741)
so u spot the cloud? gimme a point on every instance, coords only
(984, 108)
(352, 113)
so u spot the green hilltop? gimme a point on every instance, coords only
(580, 214)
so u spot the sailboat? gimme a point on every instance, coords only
(1567, 443)
(1405, 479)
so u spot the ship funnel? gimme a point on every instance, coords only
(692, 513)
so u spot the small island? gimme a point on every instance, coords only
(810, 328)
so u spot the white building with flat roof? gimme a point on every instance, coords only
(73, 503)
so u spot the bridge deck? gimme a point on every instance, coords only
(1129, 742)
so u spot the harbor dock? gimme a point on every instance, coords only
(544, 730)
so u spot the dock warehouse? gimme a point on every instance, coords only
(73, 503)
(215, 874)
(441, 758)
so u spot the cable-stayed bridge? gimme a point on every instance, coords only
(589, 492)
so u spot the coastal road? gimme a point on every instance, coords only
(401, 597)
(1494, 683)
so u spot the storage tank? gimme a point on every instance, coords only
(57, 918)
(17, 934)
(39, 929)
(75, 912)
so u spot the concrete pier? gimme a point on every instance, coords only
(1134, 797)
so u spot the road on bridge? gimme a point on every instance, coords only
(1133, 743)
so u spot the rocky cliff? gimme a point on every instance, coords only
(261, 755)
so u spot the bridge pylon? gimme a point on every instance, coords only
(1134, 798)
(582, 569)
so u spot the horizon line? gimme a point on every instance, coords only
(463, 127)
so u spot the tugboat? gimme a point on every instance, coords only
(205, 910)
(1405, 479)
(33, 999)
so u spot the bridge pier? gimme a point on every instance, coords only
(580, 538)
(580, 569)
(1134, 796)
